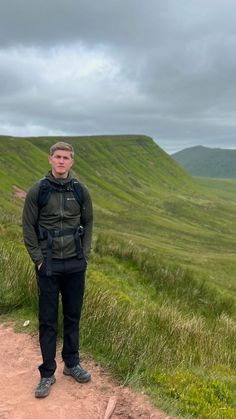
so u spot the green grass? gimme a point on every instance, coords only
(143, 333)
(161, 292)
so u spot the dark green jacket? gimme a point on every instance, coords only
(61, 212)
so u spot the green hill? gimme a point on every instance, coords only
(161, 277)
(209, 162)
(139, 192)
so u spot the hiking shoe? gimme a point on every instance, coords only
(44, 386)
(78, 373)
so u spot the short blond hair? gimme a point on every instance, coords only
(62, 146)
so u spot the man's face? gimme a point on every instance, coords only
(61, 162)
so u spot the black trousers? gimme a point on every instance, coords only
(67, 279)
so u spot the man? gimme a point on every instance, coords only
(57, 230)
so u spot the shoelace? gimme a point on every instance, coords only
(45, 382)
(78, 370)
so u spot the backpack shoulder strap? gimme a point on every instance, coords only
(78, 192)
(45, 189)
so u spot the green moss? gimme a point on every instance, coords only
(200, 397)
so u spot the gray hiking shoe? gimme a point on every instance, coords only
(78, 373)
(44, 386)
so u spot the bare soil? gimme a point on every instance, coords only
(19, 193)
(19, 358)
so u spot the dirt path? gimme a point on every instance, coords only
(19, 357)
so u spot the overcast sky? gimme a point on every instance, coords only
(164, 68)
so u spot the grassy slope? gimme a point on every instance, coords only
(144, 200)
(142, 195)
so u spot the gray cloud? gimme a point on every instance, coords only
(165, 69)
(114, 22)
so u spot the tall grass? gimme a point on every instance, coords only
(140, 327)
(170, 279)
(18, 284)
(141, 336)
(154, 344)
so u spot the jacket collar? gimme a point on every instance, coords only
(58, 181)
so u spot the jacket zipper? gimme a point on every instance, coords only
(61, 221)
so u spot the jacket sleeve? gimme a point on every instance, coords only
(29, 221)
(87, 222)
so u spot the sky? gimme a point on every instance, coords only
(163, 68)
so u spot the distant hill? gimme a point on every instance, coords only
(209, 162)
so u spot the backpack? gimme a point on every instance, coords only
(46, 187)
